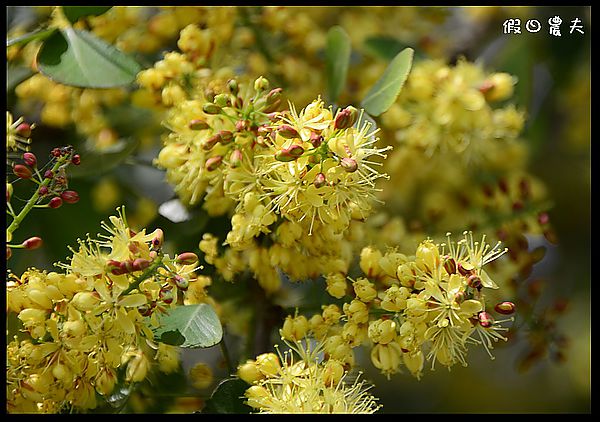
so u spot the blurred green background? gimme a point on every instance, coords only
(554, 85)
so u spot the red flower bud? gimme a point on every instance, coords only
(24, 130)
(474, 281)
(181, 282)
(43, 190)
(287, 131)
(70, 196)
(187, 258)
(48, 174)
(450, 265)
(76, 160)
(22, 171)
(55, 202)
(213, 162)
(235, 160)
(225, 137)
(349, 164)
(33, 243)
(485, 319)
(505, 308)
(289, 154)
(345, 118)
(198, 124)
(320, 180)
(140, 264)
(210, 142)
(30, 159)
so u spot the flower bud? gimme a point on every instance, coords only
(294, 328)
(268, 364)
(55, 202)
(33, 243)
(261, 84)
(287, 131)
(233, 86)
(187, 258)
(211, 108)
(465, 269)
(332, 373)
(48, 174)
(137, 368)
(158, 239)
(22, 171)
(349, 164)
(498, 87)
(225, 137)
(255, 395)
(210, 142)
(320, 180)
(198, 124)
(181, 283)
(140, 264)
(485, 319)
(449, 265)
(43, 190)
(505, 308)
(30, 159)
(249, 372)
(213, 163)
(289, 154)
(76, 160)
(8, 253)
(474, 281)
(222, 100)
(24, 130)
(85, 301)
(315, 139)
(235, 160)
(460, 297)
(70, 196)
(345, 118)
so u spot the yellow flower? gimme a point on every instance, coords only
(310, 385)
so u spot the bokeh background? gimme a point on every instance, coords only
(554, 86)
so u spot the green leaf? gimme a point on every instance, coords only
(95, 162)
(190, 326)
(78, 58)
(228, 398)
(40, 34)
(74, 13)
(383, 47)
(385, 91)
(337, 59)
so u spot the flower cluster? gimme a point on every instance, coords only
(412, 309)
(299, 178)
(279, 384)
(89, 328)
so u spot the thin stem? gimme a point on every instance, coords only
(32, 201)
(149, 271)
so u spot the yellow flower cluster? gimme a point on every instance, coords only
(309, 385)
(409, 309)
(90, 328)
(298, 178)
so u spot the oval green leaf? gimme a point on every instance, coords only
(383, 47)
(190, 326)
(337, 59)
(228, 398)
(385, 91)
(78, 58)
(74, 13)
